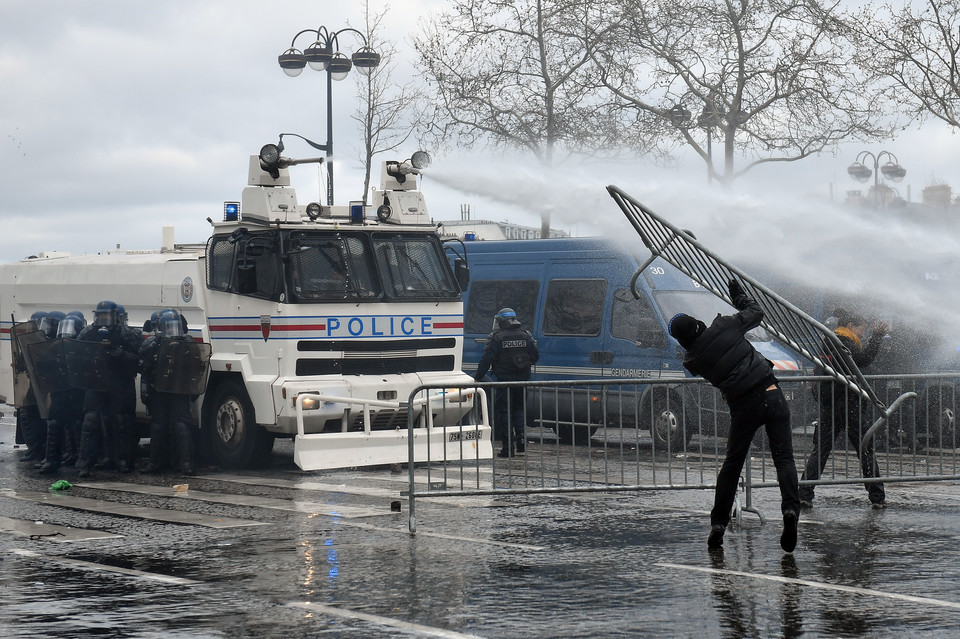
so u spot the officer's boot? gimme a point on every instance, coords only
(51, 463)
(124, 443)
(70, 437)
(34, 433)
(89, 443)
(158, 448)
(109, 432)
(184, 435)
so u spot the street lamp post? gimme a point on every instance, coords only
(891, 170)
(324, 55)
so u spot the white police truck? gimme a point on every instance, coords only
(322, 320)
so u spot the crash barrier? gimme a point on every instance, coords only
(789, 324)
(628, 435)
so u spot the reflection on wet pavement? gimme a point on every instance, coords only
(561, 565)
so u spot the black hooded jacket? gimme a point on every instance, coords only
(722, 355)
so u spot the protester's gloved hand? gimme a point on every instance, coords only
(735, 289)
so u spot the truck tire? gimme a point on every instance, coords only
(662, 413)
(234, 438)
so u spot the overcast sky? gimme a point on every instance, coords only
(120, 117)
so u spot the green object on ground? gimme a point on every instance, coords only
(61, 484)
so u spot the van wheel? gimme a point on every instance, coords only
(235, 439)
(579, 434)
(662, 413)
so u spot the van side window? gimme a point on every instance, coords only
(574, 307)
(489, 296)
(633, 319)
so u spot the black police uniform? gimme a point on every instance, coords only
(169, 412)
(102, 425)
(510, 352)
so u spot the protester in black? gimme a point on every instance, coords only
(722, 355)
(510, 351)
(840, 411)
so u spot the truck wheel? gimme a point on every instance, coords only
(234, 438)
(662, 413)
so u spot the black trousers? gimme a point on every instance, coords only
(761, 408)
(840, 412)
(509, 423)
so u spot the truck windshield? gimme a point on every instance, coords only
(332, 266)
(704, 306)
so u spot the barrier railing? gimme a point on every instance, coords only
(629, 435)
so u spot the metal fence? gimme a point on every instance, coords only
(627, 435)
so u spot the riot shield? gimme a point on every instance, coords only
(182, 367)
(89, 367)
(47, 370)
(21, 380)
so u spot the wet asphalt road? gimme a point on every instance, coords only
(283, 553)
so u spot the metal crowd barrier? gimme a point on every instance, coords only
(610, 435)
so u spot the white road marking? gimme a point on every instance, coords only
(381, 620)
(817, 584)
(89, 565)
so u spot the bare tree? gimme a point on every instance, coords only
(771, 79)
(516, 74)
(913, 50)
(387, 110)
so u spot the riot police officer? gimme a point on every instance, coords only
(31, 429)
(510, 352)
(102, 408)
(169, 411)
(65, 410)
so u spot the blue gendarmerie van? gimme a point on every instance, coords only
(574, 295)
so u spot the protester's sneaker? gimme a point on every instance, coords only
(878, 505)
(505, 453)
(788, 540)
(806, 504)
(715, 540)
(521, 449)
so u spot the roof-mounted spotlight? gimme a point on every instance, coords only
(421, 160)
(270, 160)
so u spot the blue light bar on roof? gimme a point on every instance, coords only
(231, 211)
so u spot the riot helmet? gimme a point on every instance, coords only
(121, 314)
(78, 315)
(150, 326)
(105, 314)
(37, 316)
(70, 326)
(169, 324)
(505, 318)
(49, 323)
